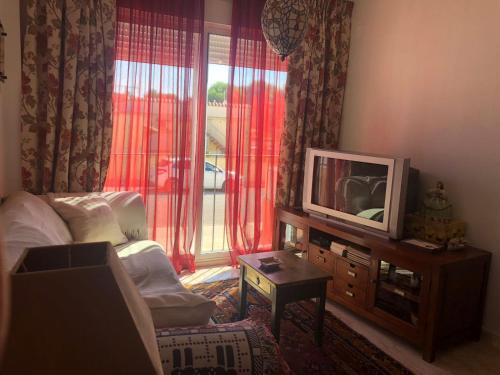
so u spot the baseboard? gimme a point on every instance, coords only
(217, 261)
(492, 338)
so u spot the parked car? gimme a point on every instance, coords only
(164, 178)
(214, 178)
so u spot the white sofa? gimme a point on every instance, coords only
(29, 221)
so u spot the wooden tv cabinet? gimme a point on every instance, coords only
(431, 300)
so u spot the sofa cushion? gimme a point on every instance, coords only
(170, 302)
(148, 265)
(179, 309)
(90, 218)
(127, 206)
(27, 221)
(234, 348)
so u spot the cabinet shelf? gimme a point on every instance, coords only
(401, 291)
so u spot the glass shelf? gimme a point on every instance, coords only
(398, 292)
(293, 238)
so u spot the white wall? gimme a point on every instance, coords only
(10, 94)
(424, 82)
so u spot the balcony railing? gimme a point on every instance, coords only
(214, 203)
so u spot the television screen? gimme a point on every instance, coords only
(353, 187)
(357, 189)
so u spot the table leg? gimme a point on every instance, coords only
(429, 352)
(320, 315)
(243, 293)
(277, 311)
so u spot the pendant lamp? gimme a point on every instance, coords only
(284, 24)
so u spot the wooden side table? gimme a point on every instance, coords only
(296, 280)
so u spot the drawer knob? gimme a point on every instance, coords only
(257, 280)
(350, 294)
(322, 259)
(352, 274)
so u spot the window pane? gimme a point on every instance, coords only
(214, 200)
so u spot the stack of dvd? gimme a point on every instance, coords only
(357, 256)
(338, 248)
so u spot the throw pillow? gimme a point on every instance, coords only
(243, 347)
(28, 221)
(179, 309)
(90, 218)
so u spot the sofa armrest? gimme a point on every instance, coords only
(129, 209)
(243, 347)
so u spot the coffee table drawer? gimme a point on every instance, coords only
(352, 273)
(349, 291)
(258, 280)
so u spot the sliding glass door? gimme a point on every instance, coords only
(213, 241)
(170, 140)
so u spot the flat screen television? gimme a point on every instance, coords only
(361, 190)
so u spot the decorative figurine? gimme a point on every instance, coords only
(436, 205)
(434, 222)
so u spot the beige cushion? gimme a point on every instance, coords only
(90, 218)
(27, 221)
(171, 304)
(127, 206)
(179, 309)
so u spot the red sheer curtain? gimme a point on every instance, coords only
(158, 141)
(256, 109)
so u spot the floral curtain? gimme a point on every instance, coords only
(315, 86)
(67, 83)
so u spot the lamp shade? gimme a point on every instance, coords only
(76, 311)
(284, 24)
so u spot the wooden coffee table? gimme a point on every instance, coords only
(296, 280)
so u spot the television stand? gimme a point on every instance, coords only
(431, 300)
(346, 225)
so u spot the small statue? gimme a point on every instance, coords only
(436, 205)
(434, 222)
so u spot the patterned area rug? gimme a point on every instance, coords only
(344, 351)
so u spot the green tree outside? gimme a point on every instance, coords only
(217, 92)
